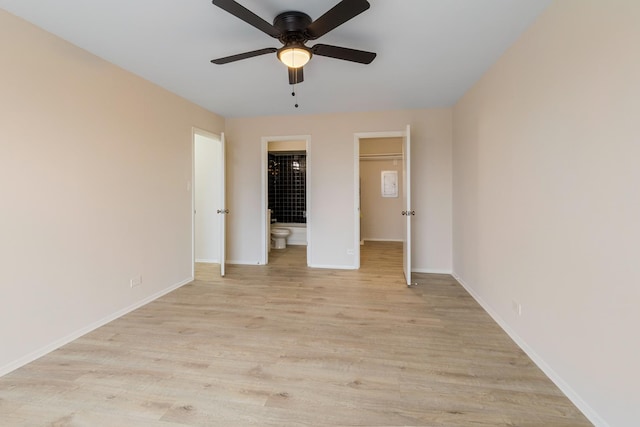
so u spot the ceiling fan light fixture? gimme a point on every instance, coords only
(293, 29)
(294, 56)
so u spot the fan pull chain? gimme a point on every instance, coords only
(295, 96)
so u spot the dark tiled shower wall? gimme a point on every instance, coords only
(287, 186)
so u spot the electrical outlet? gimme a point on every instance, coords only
(135, 281)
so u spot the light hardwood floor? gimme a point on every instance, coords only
(285, 345)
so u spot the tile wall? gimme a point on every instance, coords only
(287, 186)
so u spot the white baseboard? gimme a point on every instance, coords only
(333, 267)
(366, 239)
(243, 262)
(12, 366)
(430, 271)
(574, 397)
(208, 261)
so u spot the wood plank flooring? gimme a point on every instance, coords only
(285, 345)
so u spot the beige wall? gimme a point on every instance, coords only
(95, 165)
(546, 201)
(330, 181)
(287, 145)
(381, 146)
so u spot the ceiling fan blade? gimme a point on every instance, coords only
(247, 16)
(296, 75)
(343, 53)
(245, 55)
(338, 15)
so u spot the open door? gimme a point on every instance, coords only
(209, 207)
(406, 203)
(223, 211)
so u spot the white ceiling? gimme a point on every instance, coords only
(430, 52)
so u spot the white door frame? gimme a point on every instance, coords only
(223, 211)
(266, 236)
(407, 253)
(356, 182)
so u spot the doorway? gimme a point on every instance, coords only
(209, 212)
(383, 191)
(380, 189)
(286, 159)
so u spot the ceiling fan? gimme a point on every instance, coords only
(294, 29)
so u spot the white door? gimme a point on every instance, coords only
(209, 199)
(406, 204)
(222, 211)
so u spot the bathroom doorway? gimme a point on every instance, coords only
(209, 210)
(285, 205)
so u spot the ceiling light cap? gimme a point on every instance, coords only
(294, 55)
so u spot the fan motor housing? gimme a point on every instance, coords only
(293, 25)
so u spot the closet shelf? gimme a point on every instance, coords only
(383, 156)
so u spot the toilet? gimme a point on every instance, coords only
(279, 236)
